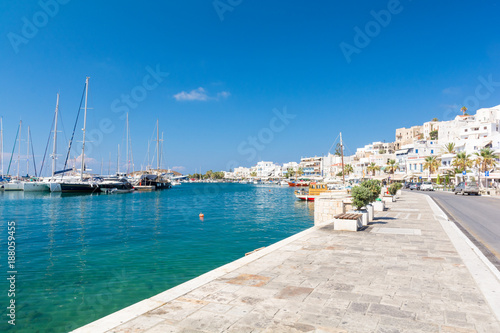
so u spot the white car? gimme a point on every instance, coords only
(426, 186)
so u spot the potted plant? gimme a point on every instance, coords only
(374, 187)
(361, 196)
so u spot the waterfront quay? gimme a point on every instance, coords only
(410, 270)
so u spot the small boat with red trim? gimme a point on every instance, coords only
(299, 183)
(314, 191)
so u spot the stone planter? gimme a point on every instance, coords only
(371, 212)
(399, 193)
(364, 219)
(378, 206)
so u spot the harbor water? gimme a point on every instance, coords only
(81, 257)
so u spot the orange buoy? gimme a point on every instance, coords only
(201, 215)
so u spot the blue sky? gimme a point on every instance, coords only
(247, 80)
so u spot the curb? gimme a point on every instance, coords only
(486, 276)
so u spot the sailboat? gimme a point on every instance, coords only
(154, 179)
(33, 185)
(81, 184)
(15, 184)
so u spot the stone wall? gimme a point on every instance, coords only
(327, 205)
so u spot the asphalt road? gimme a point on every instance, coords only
(478, 215)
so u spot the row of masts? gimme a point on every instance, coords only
(53, 156)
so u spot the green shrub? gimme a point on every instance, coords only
(374, 186)
(361, 196)
(393, 188)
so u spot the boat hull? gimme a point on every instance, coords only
(79, 188)
(13, 186)
(306, 197)
(36, 187)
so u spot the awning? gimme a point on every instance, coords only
(402, 151)
(398, 177)
(382, 177)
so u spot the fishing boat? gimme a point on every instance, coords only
(313, 192)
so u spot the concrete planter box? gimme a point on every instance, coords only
(364, 218)
(371, 212)
(399, 193)
(388, 198)
(347, 225)
(379, 206)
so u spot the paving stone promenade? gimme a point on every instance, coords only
(401, 274)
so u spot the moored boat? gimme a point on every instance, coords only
(35, 186)
(314, 191)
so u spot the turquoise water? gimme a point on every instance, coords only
(81, 257)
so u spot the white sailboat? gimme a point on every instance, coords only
(34, 185)
(15, 184)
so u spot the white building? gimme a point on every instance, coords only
(267, 170)
(471, 133)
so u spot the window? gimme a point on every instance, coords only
(432, 151)
(485, 127)
(416, 151)
(465, 130)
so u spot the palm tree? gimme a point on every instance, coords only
(431, 163)
(348, 169)
(435, 119)
(464, 110)
(391, 166)
(449, 148)
(300, 172)
(462, 161)
(485, 159)
(372, 168)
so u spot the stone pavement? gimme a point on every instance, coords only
(401, 274)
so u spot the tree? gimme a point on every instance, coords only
(392, 166)
(338, 149)
(435, 119)
(373, 168)
(381, 151)
(431, 163)
(374, 187)
(462, 161)
(449, 148)
(464, 110)
(289, 173)
(253, 174)
(300, 172)
(348, 169)
(485, 159)
(434, 135)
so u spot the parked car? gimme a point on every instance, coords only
(427, 186)
(415, 186)
(467, 187)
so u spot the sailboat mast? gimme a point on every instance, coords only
(161, 154)
(19, 149)
(28, 153)
(342, 152)
(84, 125)
(157, 147)
(127, 146)
(118, 161)
(1, 139)
(54, 146)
